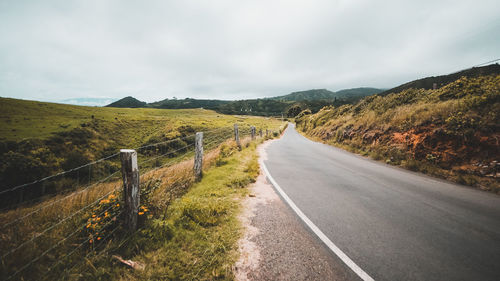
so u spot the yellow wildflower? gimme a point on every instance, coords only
(141, 213)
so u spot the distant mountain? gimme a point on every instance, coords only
(357, 92)
(442, 80)
(89, 101)
(313, 99)
(262, 107)
(324, 94)
(314, 94)
(128, 102)
(187, 103)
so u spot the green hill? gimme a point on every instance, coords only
(324, 94)
(357, 92)
(314, 94)
(442, 80)
(262, 107)
(128, 102)
(450, 132)
(187, 103)
(312, 99)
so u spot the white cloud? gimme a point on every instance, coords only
(56, 50)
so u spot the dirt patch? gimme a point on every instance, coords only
(260, 193)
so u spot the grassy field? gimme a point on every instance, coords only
(452, 132)
(72, 235)
(41, 139)
(22, 119)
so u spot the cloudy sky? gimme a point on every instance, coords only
(64, 50)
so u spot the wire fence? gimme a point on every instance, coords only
(89, 173)
(80, 218)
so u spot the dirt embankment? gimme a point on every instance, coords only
(452, 132)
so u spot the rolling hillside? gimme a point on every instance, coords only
(38, 139)
(311, 99)
(187, 103)
(442, 80)
(451, 132)
(323, 94)
(127, 102)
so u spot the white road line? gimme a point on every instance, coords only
(353, 266)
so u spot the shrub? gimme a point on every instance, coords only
(203, 211)
(74, 159)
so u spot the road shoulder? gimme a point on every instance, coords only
(276, 245)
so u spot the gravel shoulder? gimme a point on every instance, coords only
(276, 245)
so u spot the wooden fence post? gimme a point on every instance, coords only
(237, 136)
(198, 156)
(130, 174)
(252, 132)
(260, 133)
(267, 133)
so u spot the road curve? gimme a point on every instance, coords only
(393, 223)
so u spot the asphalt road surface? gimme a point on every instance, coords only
(394, 224)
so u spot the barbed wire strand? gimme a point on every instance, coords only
(59, 200)
(164, 142)
(56, 224)
(174, 161)
(58, 174)
(95, 162)
(80, 245)
(170, 152)
(89, 253)
(180, 138)
(51, 248)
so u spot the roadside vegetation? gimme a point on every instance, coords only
(74, 235)
(452, 132)
(195, 238)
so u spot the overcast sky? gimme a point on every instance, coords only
(59, 50)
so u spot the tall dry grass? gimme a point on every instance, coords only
(31, 236)
(29, 232)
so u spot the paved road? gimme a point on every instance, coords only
(394, 224)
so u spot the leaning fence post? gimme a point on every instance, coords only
(252, 131)
(198, 157)
(237, 136)
(130, 174)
